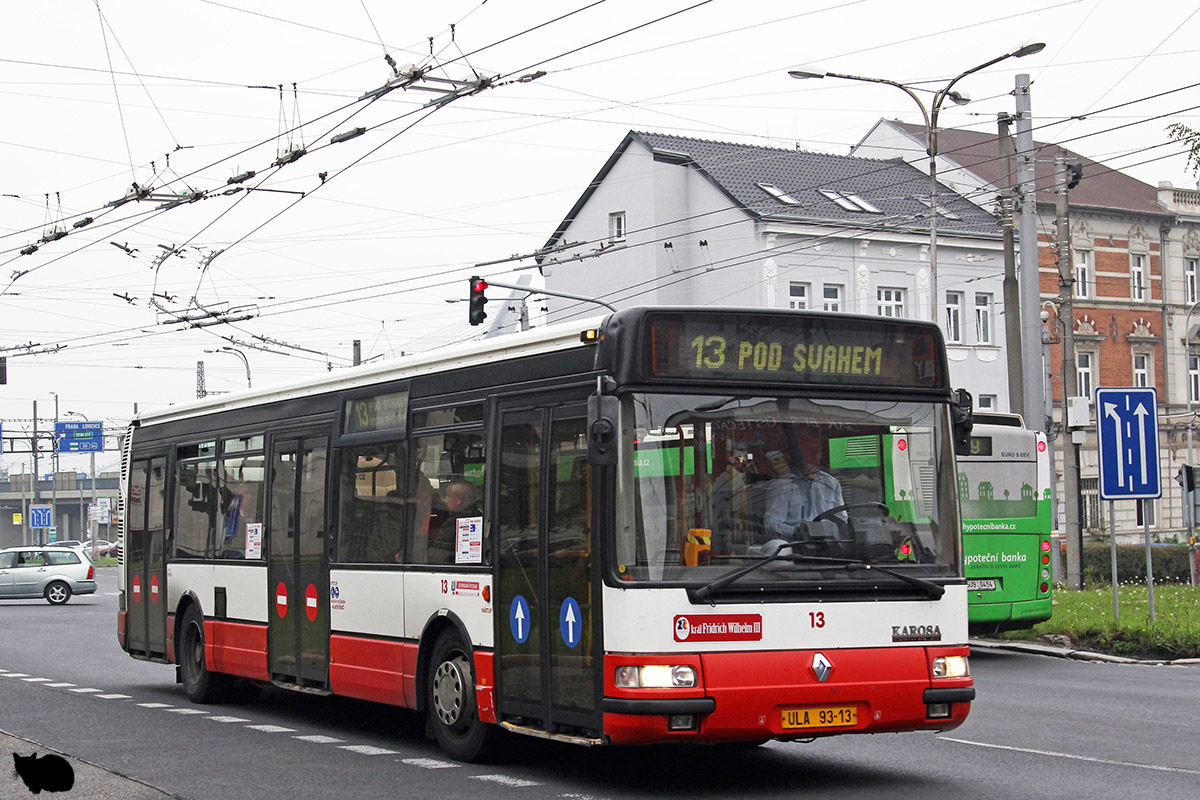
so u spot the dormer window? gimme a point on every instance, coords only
(616, 226)
(779, 194)
(850, 202)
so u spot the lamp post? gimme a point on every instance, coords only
(92, 467)
(930, 118)
(54, 477)
(240, 355)
(1187, 349)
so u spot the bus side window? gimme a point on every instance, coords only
(373, 508)
(445, 489)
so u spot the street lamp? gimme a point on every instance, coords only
(240, 355)
(930, 117)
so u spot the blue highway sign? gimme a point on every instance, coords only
(1127, 426)
(40, 517)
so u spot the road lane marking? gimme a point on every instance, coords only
(318, 739)
(506, 780)
(84, 690)
(228, 719)
(271, 728)
(185, 711)
(1073, 757)
(114, 697)
(155, 705)
(429, 763)
(60, 685)
(15, 675)
(367, 750)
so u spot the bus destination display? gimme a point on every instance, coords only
(801, 350)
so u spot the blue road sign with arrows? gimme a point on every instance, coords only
(1127, 426)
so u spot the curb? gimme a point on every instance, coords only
(1033, 648)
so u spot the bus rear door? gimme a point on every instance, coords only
(547, 628)
(298, 570)
(146, 578)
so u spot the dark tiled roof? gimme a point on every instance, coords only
(895, 188)
(1101, 187)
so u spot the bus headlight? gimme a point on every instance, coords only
(656, 676)
(951, 667)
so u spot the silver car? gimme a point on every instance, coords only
(54, 573)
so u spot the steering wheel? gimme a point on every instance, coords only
(828, 514)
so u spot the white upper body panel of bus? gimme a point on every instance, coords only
(501, 348)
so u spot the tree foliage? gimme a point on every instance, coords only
(1182, 133)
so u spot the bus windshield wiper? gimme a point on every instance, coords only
(933, 590)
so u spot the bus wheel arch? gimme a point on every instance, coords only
(199, 683)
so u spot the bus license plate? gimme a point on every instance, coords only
(819, 717)
(986, 585)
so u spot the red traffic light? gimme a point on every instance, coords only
(475, 313)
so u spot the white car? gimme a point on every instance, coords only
(54, 573)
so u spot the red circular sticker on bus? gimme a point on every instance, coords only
(281, 600)
(153, 588)
(310, 602)
(137, 589)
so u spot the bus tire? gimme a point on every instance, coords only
(450, 701)
(200, 685)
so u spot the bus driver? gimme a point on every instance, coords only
(799, 495)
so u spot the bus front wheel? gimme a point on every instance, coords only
(450, 701)
(200, 685)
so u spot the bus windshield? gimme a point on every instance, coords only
(716, 482)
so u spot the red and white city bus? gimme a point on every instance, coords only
(568, 533)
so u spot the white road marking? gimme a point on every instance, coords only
(60, 685)
(37, 680)
(85, 691)
(1073, 757)
(228, 719)
(428, 763)
(506, 780)
(318, 739)
(367, 750)
(114, 697)
(15, 675)
(155, 705)
(185, 711)
(271, 728)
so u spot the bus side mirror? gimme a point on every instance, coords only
(960, 416)
(602, 430)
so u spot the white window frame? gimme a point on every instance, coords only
(1141, 370)
(798, 294)
(779, 194)
(1137, 277)
(983, 318)
(616, 226)
(987, 402)
(1083, 272)
(889, 302)
(954, 311)
(1085, 373)
(831, 297)
(1190, 266)
(1193, 363)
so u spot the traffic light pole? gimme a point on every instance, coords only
(580, 297)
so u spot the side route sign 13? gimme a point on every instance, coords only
(1127, 427)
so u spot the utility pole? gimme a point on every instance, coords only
(1012, 291)
(1070, 457)
(1030, 316)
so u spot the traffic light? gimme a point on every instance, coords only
(3, 370)
(475, 312)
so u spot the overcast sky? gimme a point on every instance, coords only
(178, 97)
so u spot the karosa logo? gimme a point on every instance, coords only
(916, 633)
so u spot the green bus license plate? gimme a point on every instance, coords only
(819, 717)
(985, 585)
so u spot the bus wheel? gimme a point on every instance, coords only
(200, 685)
(450, 700)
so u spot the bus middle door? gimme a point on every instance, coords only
(548, 653)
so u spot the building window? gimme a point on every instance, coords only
(987, 402)
(1083, 273)
(1141, 370)
(889, 302)
(1189, 278)
(850, 202)
(1084, 374)
(831, 297)
(983, 319)
(779, 194)
(1137, 277)
(616, 226)
(798, 295)
(954, 317)
(1194, 379)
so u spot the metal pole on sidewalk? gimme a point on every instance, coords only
(1112, 537)
(1149, 560)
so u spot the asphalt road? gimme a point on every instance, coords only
(1041, 727)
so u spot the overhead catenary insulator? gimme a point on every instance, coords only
(346, 136)
(30, 250)
(83, 223)
(245, 176)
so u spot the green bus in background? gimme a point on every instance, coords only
(1004, 494)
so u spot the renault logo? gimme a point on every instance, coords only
(821, 667)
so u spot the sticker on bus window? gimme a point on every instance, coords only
(469, 541)
(254, 540)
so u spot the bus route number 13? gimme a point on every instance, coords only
(816, 620)
(710, 351)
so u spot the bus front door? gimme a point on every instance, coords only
(298, 582)
(145, 567)
(547, 642)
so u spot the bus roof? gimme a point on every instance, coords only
(524, 343)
